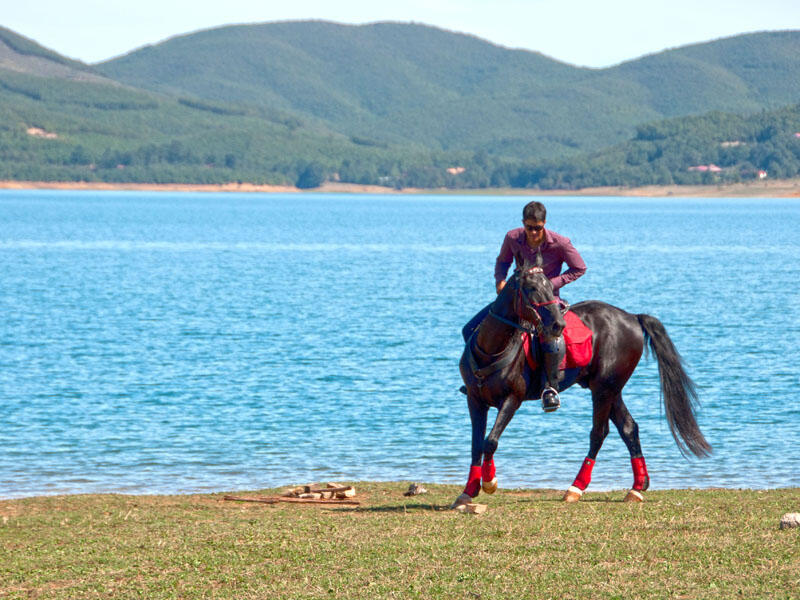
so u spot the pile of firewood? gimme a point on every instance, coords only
(315, 493)
(321, 491)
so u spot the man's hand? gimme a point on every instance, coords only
(501, 285)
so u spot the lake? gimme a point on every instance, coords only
(179, 342)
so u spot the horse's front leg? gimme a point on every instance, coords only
(478, 412)
(504, 416)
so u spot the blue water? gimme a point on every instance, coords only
(171, 343)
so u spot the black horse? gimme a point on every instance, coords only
(496, 374)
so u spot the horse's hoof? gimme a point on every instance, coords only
(462, 500)
(573, 494)
(634, 496)
(490, 487)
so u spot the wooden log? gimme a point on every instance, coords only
(275, 500)
(320, 501)
(472, 508)
(307, 489)
(341, 488)
(263, 500)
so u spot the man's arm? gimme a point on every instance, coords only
(575, 263)
(503, 262)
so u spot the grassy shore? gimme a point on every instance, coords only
(678, 544)
(779, 188)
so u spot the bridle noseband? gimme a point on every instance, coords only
(521, 299)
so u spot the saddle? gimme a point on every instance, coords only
(577, 339)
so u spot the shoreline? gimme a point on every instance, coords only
(401, 483)
(784, 188)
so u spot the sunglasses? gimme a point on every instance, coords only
(534, 227)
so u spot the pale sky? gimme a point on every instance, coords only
(595, 33)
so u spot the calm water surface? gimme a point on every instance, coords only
(156, 342)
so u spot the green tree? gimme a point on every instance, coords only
(310, 177)
(80, 156)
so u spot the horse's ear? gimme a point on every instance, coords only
(539, 260)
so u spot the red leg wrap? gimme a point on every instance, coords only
(641, 480)
(488, 470)
(585, 474)
(474, 481)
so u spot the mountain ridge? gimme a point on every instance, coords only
(397, 82)
(401, 105)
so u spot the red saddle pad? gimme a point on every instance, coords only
(578, 339)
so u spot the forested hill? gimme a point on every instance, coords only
(61, 120)
(19, 53)
(384, 83)
(395, 83)
(397, 105)
(741, 74)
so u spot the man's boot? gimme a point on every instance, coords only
(553, 353)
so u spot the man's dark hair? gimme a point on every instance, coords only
(534, 211)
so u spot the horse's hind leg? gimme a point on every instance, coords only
(478, 412)
(601, 409)
(629, 432)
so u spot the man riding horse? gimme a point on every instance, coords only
(498, 374)
(521, 245)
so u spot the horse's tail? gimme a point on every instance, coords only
(677, 389)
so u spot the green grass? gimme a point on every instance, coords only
(678, 544)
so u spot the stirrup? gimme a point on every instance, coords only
(553, 402)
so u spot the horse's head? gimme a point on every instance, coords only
(535, 302)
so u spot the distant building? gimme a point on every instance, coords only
(456, 170)
(41, 133)
(762, 174)
(706, 168)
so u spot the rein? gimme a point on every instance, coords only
(500, 361)
(510, 352)
(536, 329)
(523, 300)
